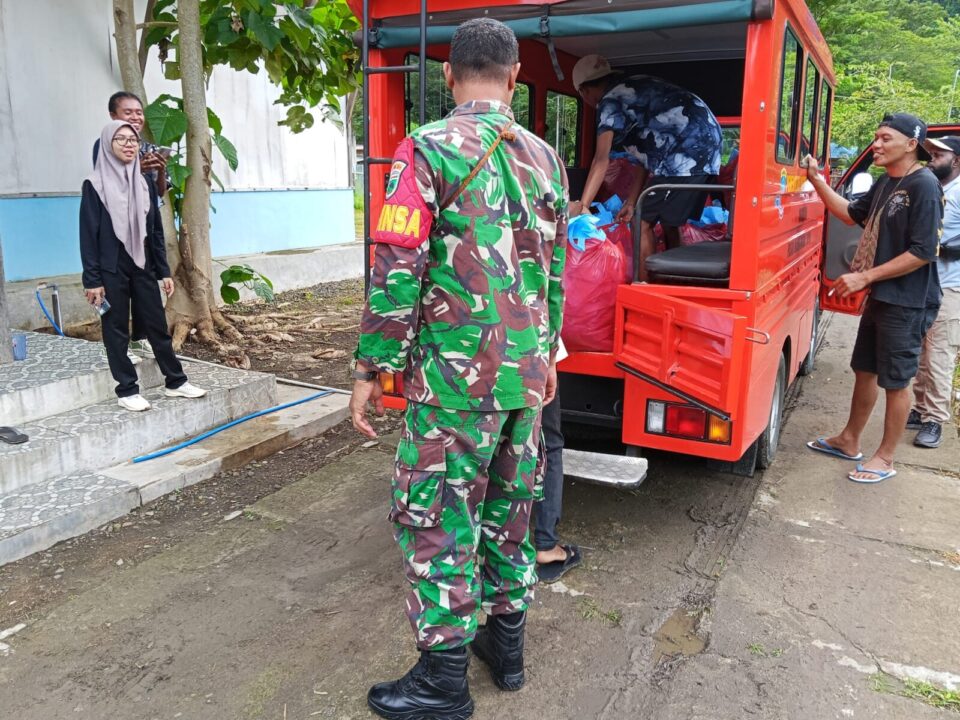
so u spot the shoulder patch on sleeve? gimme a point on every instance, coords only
(405, 219)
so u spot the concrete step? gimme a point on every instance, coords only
(60, 374)
(38, 516)
(102, 434)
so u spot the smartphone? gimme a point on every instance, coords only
(164, 151)
(103, 307)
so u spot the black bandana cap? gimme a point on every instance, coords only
(911, 126)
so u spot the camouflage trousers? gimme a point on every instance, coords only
(463, 489)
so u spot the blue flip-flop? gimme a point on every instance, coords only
(821, 445)
(878, 475)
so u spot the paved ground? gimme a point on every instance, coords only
(703, 596)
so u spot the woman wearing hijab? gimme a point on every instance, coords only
(123, 254)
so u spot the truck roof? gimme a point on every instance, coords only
(636, 31)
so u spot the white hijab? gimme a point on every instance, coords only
(123, 191)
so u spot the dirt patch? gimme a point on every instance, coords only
(307, 335)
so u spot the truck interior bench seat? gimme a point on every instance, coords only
(706, 264)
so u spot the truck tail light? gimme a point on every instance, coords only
(686, 421)
(718, 430)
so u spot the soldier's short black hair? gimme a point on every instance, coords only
(483, 49)
(117, 97)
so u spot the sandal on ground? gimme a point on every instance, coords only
(821, 445)
(875, 476)
(552, 571)
(12, 436)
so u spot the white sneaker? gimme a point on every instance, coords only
(134, 403)
(143, 346)
(185, 391)
(134, 358)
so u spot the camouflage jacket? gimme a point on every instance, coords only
(466, 300)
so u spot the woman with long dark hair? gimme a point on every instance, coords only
(123, 254)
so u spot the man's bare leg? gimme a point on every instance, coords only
(865, 392)
(647, 245)
(894, 425)
(671, 236)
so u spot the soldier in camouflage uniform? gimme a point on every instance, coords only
(465, 300)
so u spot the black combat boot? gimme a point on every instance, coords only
(499, 644)
(434, 689)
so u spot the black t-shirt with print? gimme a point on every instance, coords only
(911, 221)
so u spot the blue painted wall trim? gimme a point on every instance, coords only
(40, 235)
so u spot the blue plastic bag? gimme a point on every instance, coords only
(712, 215)
(582, 228)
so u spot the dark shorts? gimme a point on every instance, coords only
(889, 341)
(675, 207)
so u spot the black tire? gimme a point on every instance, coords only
(807, 366)
(770, 439)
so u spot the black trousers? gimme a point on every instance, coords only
(546, 513)
(132, 288)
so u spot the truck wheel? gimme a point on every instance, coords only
(806, 367)
(770, 438)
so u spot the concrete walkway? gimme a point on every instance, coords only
(795, 596)
(837, 591)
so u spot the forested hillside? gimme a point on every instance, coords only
(891, 55)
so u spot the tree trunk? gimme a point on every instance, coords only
(144, 49)
(196, 307)
(6, 350)
(349, 104)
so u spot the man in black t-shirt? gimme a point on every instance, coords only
(902, 217)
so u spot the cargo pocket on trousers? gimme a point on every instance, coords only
(953, 332)
(418, 484)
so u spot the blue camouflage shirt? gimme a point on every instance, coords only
(668, 130)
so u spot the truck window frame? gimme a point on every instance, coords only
(826, 110)
(577, 133)
(789, 155)
(811, 114)
(410, 106)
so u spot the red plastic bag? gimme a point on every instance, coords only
(590, 280)
(691, 234)
(621, 234)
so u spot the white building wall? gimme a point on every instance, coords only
(58, 68)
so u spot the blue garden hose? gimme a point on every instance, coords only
(221, 428)
(44, 308)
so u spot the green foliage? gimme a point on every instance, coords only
(890, 55)
(308, 52)
(245, 276)
(168, 126)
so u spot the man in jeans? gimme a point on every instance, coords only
(553, 559)
(932, 388)
(902, 219)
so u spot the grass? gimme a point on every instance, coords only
(917, 690)
(358, 213)
(760, 651)
(590, 609)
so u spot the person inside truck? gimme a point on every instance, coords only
(896, 257)
(664, 131)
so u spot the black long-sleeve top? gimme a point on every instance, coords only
(100, 247)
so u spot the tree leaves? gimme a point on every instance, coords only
(266, 32)
(890, 55)
(247, 277)
(226, 149)
(167, 123)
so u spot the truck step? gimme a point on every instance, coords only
(603, 469)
